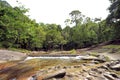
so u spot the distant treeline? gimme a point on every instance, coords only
(17, 30)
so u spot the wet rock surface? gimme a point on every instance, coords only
(84, 68)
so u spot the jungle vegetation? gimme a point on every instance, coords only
(17, 30)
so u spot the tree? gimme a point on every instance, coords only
(113, 18)
(114, 10)
(54, 39)
(38, 36)
(17, 30)
(6, 13)
(67, 22)
(76, 17)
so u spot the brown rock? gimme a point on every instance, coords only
(56, 74)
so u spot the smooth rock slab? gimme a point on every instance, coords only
(7, 55)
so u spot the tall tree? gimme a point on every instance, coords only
(114, 17)
(76, 17)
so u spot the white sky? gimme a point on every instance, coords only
(56, 11)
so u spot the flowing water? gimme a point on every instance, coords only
(58, 57)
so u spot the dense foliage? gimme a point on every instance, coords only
(17, 30)
(113, 18)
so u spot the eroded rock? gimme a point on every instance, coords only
(109, 77)
(56, 74)
(116, 67)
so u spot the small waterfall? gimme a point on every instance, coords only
(55, 57)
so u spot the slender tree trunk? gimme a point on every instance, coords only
(61, 47)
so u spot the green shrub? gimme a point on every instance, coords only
(73, 51)
(112, 46)
(6, 44)
(93, 53)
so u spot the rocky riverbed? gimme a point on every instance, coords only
(86, 71)
(90, 67)
(57, 69)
